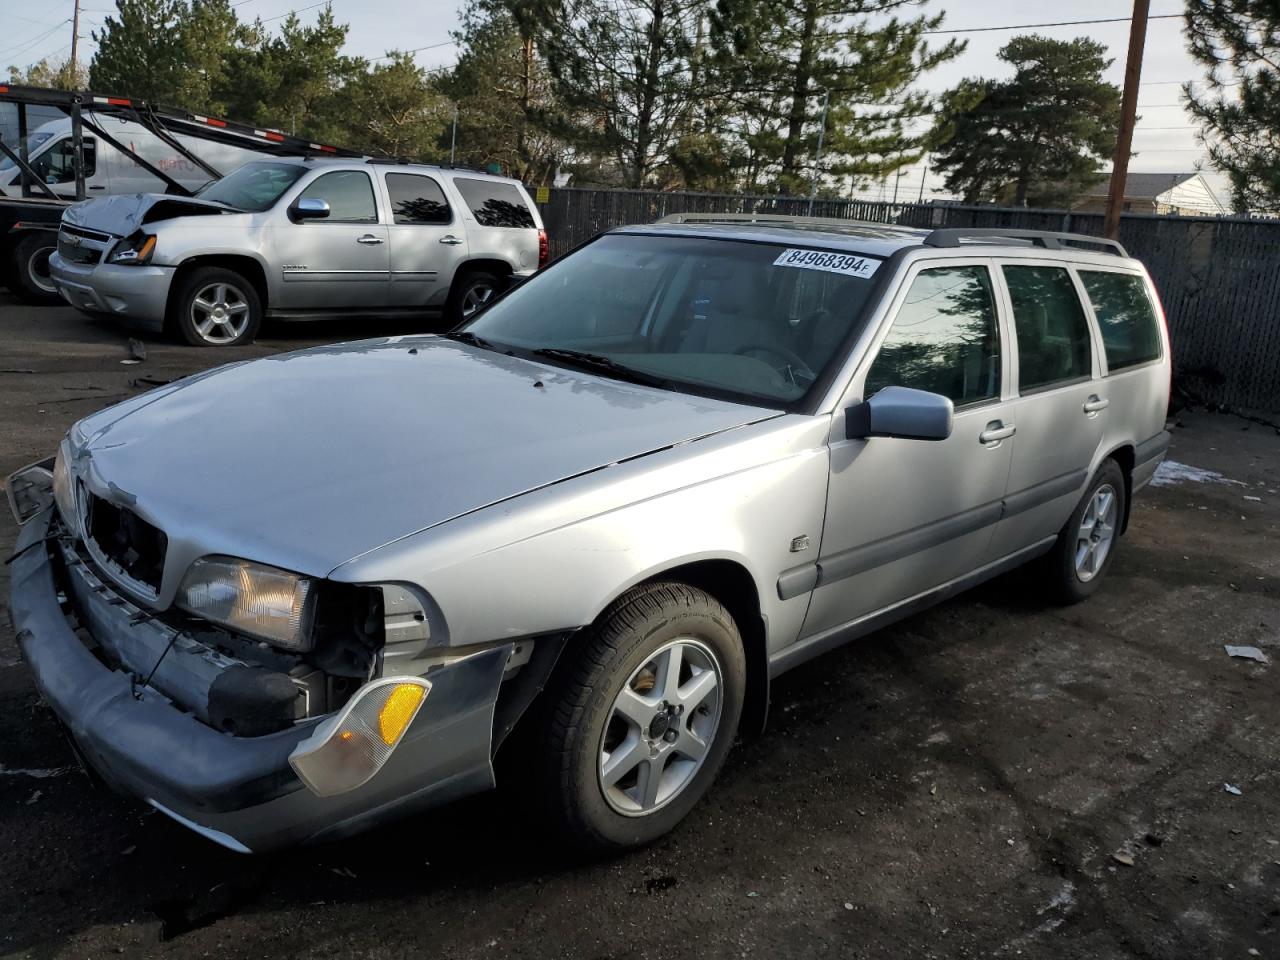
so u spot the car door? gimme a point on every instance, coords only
(337, 262)
(426, 236)
(56, 167)
(1061, 409)
(905, 516)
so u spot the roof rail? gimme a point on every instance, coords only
(776, 218)
(1049, 239)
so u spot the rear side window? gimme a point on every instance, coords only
(1126, 317)
(1053, 332)
(417, 199)
(944, 338)
(349, 194)
(494, 204)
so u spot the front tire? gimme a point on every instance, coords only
(644, 719)
(216, 307)
(30, 270)
(1082, 555)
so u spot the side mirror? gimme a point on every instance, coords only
(309, 208)
(900, 412)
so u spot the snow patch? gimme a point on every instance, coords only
(1171, 472)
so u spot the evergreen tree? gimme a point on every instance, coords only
(1038, 138)
(621, 77)
(775, 59)
(1239, 41)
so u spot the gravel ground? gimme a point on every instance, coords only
(990, 778)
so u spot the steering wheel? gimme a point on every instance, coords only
(792, 366)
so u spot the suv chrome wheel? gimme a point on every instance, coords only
(661, 728)
(476, 296)
(1096, 533)
(220, 313)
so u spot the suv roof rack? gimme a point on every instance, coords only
(1050, 240)
(792, 219)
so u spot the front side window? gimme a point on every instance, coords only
(417, 199)
(58, 163)
(1053, 332)
(945, 338)
(494, 203)
(349, 194)
(254, 187)
(1126, 317)
(753, 321)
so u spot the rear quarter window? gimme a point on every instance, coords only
(1126, 317)
(495, 204)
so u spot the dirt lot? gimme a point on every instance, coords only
(991, 778)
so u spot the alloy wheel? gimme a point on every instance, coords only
(1096, 533)
(220, 313)
(661, 727)
(475, 297)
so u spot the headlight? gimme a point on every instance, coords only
(135, 250)
(264, 602)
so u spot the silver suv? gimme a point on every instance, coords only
(579, 536)
(296, 238)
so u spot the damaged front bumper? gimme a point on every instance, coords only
(239, 791)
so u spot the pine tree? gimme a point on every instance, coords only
(1038, 138)
(774, 61)
(1239, 42)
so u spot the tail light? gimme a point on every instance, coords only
(544, 249)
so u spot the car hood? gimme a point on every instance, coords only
(123, 214)
(310, 459)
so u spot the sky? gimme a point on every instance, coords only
(1165, 139)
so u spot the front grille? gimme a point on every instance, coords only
(128, 541)
(82, 246)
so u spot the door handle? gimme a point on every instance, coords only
(368, 238)
(1096, 403)
(451, 240)
(995, 432)
(98, 187)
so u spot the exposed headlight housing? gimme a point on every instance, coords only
(135, 250)
(64, 494)
(30, 490)
(251, 598)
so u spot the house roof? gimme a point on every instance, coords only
(1144, 184)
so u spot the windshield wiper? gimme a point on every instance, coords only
(601, 364)
(466, 336)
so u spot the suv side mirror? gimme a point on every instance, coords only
(900, 412)
(309, 208)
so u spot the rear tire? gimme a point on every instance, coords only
(1081, 557)
(472, 291)
(216, 307)
(30, 270)
(640, 724)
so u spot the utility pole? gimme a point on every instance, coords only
(896, 180)
(1128, 116)
(453, 141)
(817, 154)
(923, 178)
(75, 41)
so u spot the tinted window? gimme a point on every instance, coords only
(253, 187)
(1053, 331)
(717, 316)
(349, 194)
(416, 199)
(494, 204)
(944, 338)
(1126, 317)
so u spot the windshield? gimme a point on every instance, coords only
(253, 187)
(33, 143)
(752, 320)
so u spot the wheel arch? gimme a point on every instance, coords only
(248, 267)
(1125, 456)
(499, 267)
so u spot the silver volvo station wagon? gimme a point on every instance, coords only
(286, 599)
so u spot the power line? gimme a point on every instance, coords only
(429, 46)
(32, 41)
(1060, 23)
